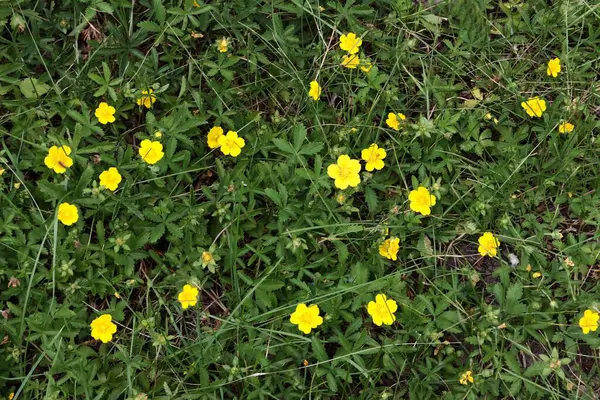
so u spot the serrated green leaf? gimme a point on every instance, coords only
(156, 233)
(318, 349)
(311, 148)
(274, 196)
(84, 180)
(51, 191)
(514, 292)
(103, 7)
(32, 88)
(149, 26)
(159, 11)
(77, 116)
(299, 136)
(360, 273)
(284, 146)
(371, 198)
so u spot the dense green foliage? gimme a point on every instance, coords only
(280, 232)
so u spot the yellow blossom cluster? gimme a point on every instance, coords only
(536, 106)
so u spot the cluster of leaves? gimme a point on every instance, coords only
(280, 231)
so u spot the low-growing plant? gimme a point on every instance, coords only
(299, 199)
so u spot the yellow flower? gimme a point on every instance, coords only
(488, 245)
(374, 157)
(188, 296)
(2, 171)
(110, 178)
(213, 136)
(147, 98)
(393, 120)
(11, 396)
(196, 4)
(67, 213)
(350, 43)
(565, 127)
(58, 159)
(466, 377)
(222, 45)
(207, 257)
(307, 318)
(105, 113)
(536, 275)
(350, 61)
(150, 151)
(382, 310)
(389, 248)
(421, 200)
(345, 172)
(553, 67)
(534, 106)
(528, 268)
(231, 144)
(103, 328)
(158, 135)
(315, 90)
(589, 322)
(366, 67)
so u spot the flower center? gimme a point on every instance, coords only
(231, 143)
(345, 172)
(383, 310)
(490, 244)
(306, 319)
(103, 328)
(149, 154)
(423, 198)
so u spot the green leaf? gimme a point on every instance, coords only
(371, 198)
(273, 195)
(149, 26)
(318, 349)
(512, 362)
(299, 136)
(104, 7)
(424, 246)
(51, 191)
(32, 88)
(84, 180)
(156, 233)
(271, 285)
(514, 292)
(159, 11)
(311, 148)
(96, 78)
(284, 146)
(100, 232)
(78, 117)
(332, 382)
(360, 273)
